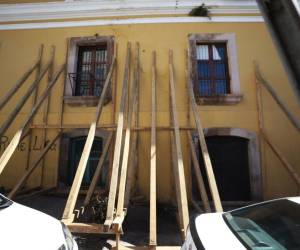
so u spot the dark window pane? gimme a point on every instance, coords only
(205, 87)
(220, 87)
(219, 71)
(203, 70)
(91, 70)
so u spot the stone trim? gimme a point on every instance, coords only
(230, 40)
(68, 9)
(253, 154)
(229, 99)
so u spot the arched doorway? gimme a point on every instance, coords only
(236, 164)
(72, 145)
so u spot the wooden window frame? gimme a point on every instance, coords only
(211, 63)
(73, 49)
(234, 96)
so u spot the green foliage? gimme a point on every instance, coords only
(201, 10)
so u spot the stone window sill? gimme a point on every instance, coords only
(228, 99)
(82, 101)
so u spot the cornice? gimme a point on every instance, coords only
(118, 8)
(129, 21)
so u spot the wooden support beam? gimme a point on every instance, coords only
(63, 90)
(118, 144)
(45, 113)
(20, 104)
(32, 168)
(127, 147)
(207, 162)
(16, 139)
(132, 164)
(85, 228)
(19, 83)
(200, 182)
(131, 169)
(179, 168)
(174, 163)
(263, 135)
(98, 170)
(153, 233)
(290, 169)
(34, 97)
(68, 215)
(260, 79)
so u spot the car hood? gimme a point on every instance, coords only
(25, 228)
(215, 234)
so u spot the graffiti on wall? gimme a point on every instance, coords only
(36, 144)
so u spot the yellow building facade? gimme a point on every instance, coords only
(229, 117)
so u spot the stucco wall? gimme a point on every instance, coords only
(19, 49)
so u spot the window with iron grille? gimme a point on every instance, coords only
(212, 69)
(91, 70)
(89, 60)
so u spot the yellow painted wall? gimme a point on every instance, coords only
(19, 50)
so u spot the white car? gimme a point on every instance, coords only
(271, 225)
(23, 228)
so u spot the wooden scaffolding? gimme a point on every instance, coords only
(123, 140)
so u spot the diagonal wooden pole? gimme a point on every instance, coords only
(261, 80)
(13, 114)
(68, 215)
(207, 162)
(32, 168)
(35, 95)
(133, 155)
(45, 114)
(127, 146)
(98, 170)
(179, 168)
(19, 83)
(200, 182)
(17, 137)
(118, 144)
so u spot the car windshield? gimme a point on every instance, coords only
(273, 225)
(4, 202)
